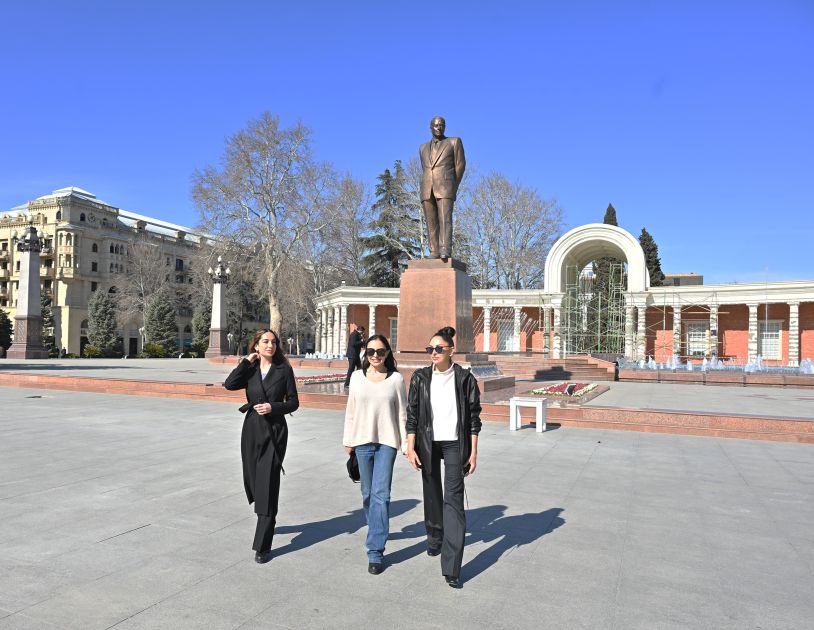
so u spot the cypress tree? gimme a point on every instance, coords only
(201, 321)
(160, 325)
(47, 324)
(5, 329)
(651, 256)
(102, 323)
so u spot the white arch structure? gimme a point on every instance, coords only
(588, 242)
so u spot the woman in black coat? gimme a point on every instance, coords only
(443, 423)
(271, 392)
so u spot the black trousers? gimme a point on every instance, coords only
(354, 363)
(444, 515)
(264, 532)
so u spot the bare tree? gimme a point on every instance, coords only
(268, 195)
(511, 229)
(146, 273)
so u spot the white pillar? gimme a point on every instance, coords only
(677, 331)
(371, 320)
(557, 354)
(334, 330)
(641, 332)
(343, 329)
(752, 344)
(794, 334)
(487, 328)
(516, 332)
(713, 329)
(547, 329)
(629, 349)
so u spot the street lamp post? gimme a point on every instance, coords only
(27, 342)
(218, 342)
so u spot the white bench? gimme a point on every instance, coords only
(537, 402)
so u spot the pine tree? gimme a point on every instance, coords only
(394, 239)
(102, 323)
(651, 256)
(5, 330)
(160, 325)
(201, 321)
(610, 216)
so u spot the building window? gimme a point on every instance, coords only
(94, 266)
(179, 264)
(94, 248)
(768, 339)
(82, 217)
(697, 338)
(394, 329)
(94, 286)
(111, 249)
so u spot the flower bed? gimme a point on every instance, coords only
(561, 390)
(320, 378)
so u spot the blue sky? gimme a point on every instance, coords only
(693, 118)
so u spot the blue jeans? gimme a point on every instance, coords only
(376, 472)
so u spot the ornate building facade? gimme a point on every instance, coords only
(87, 244)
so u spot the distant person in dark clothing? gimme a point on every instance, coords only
(355, 343)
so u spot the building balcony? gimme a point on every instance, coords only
(4, 254)
(5, 274)
(66, 273)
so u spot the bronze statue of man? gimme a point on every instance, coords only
(443, 162)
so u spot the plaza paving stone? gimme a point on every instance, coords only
(128, 512)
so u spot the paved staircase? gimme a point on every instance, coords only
(579, 368)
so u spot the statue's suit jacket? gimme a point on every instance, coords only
(443, 174)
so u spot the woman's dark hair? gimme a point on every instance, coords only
(279, 355)
(389, 360)
(447, 333)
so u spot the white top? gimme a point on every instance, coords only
(376, 411)
(444, 405)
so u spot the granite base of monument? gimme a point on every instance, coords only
(436, 293)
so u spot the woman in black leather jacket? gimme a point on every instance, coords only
(443, 422)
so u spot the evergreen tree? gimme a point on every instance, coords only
(5, 329)
(102, 323)
(651, 256)
(201, 321)
(394, 240)
(160, 325)
(47, 325)
(600, 335)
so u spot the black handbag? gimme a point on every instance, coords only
(353, 467)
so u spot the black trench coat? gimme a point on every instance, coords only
(264, 438)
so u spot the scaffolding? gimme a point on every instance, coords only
(593, 320)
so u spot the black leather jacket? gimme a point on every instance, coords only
(419, 412)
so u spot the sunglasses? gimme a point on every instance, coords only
(436, 349)
(379, 352)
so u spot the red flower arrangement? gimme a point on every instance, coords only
(577, 390)
(320, 378)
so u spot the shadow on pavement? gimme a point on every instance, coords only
(320, 531)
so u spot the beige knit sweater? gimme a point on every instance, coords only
(376, 412)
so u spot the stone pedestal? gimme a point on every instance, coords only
(218, 343)
(434, 294)
(27, 343)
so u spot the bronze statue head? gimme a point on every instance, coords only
(437, 126)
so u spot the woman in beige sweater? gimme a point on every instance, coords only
(375, 421)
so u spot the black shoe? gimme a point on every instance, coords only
(374, 568)
(433, 551)
(452, 581)
(261, 557)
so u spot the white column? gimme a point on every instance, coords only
(487, 328)
(516, 332)
(343, 329)
(629, 349)
(676, 332)
(335, 330)
(371, 320)
(794, 334)
(641, 332)
(752, 343)
(547, 329)
(713, 329)
(557, 354)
